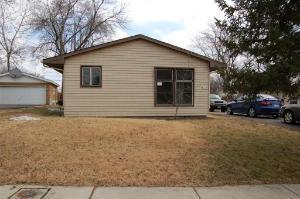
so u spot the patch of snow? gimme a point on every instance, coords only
(24, 118)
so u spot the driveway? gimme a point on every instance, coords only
(261, 119)
(10, 106)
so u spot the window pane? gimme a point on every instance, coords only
(95, 76)
(165, 87)
(164, 93)
(164, 98)
(164, 74)
(85, 76)
(185, 87)
(184, 99)
(184, 93)
(182, 74)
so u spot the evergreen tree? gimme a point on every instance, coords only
(268, 31)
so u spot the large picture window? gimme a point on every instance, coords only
(174, 86)
(91, 76)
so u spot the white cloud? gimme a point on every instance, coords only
(193, 14)
(120, 33)
(170, 10)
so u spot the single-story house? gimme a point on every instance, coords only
(22, 89)
(134, 76)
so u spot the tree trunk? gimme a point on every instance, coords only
(8, 62)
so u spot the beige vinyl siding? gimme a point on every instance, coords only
(128, 81)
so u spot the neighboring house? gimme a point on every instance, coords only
(134, 76)
(22, 89)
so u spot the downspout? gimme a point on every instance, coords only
(208, 98)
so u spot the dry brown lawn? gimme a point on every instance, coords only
(145, 152)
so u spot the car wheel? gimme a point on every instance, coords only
(252, 112)
(211, 110)
(229, 111)
(223, 109)
(288, 117)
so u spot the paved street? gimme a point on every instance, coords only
(226, 192)
(261, 119)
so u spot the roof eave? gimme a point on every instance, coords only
(35, 77)
(215, 65)
(57, 62)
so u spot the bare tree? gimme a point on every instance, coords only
(66, 25)
(13, 16)
(216, 84)
(210, 43)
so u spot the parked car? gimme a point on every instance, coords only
(290, 113)
(261, 105)
(216, 102)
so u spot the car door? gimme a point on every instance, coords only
(247, 102)
(297, 112)
(239, 102)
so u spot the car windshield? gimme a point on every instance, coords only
(264, 96)
(215, 97)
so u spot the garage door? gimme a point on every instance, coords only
(22, 95)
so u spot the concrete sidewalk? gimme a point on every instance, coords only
(227, 192)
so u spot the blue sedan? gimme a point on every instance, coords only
(261, 105)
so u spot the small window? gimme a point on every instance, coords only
(91, 76)
(174, 86)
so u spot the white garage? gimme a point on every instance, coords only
(19, 89)
(23, 95)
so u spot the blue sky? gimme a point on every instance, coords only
(173, 21)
